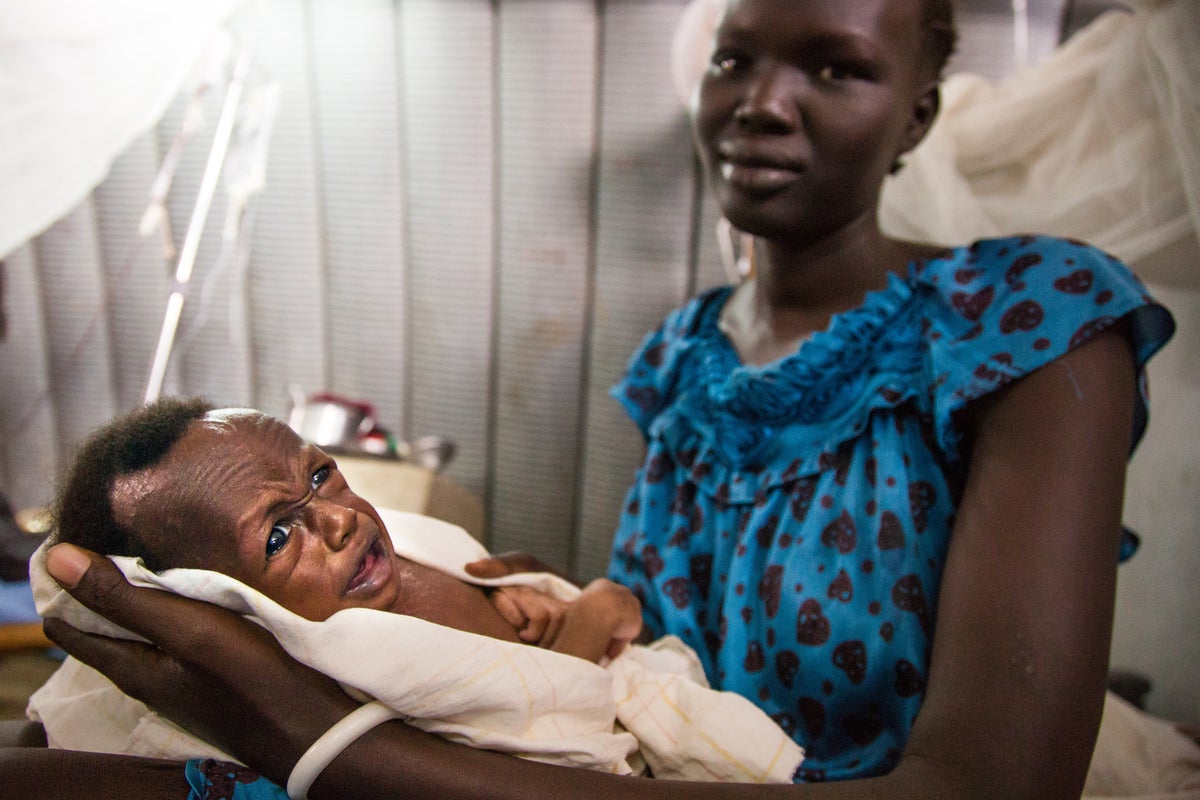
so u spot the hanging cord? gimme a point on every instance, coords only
(155, 216)
(245, 176)
(1020, 9)
(191, 242)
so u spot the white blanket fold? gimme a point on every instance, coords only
(650, 703)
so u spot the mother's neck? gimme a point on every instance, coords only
(798, 287)
(828, 275)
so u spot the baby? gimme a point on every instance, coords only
(234, 493)
(180, 483)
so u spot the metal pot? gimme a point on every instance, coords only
(327, 420)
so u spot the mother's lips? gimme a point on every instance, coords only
(758, 179)
(756, 172)
(754, 158)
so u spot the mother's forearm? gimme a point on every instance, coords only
(396, 760)
(35, 773)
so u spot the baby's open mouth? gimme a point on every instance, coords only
(369, 568)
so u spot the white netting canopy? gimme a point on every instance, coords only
(79, 81)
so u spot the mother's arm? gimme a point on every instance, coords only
(35, 773)
(1024, 619)
(1018, 665)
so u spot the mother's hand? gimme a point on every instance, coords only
(229, 682)
(512, 563)
(222, 677)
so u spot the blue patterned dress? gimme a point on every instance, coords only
(790, 521)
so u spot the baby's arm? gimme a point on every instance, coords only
(600, 622)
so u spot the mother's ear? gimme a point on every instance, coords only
(924, 111)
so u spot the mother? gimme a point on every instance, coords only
(883, 483)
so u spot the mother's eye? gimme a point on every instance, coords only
(836, 72)
(319, 477)
(277, 538)
(724, 61)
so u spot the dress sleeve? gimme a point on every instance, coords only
(653, 371)
(209, 779)
(1010, 306)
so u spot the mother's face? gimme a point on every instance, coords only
(806, 106)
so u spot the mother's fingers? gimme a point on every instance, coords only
(90, 647)
(219, 676)
(493, 567)
(125, 662)
(180, 631)
(167, 620)
(510, 563)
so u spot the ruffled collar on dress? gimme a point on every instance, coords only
(741, 404)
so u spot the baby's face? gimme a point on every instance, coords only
(242, 494)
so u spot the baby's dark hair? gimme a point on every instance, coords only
(83, 511)
(941, 35)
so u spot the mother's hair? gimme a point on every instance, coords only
(941, 33)
(691, 46)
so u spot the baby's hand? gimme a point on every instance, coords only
(601, 622)
(536, 616)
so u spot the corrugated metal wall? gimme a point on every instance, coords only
(473, 212)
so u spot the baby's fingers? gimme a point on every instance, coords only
(541, 614)
(506, 607)
(535, 627)
(532, 604)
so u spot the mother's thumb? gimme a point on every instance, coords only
(67, 564)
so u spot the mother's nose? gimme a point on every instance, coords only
(770, 101)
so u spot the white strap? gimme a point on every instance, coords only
(325, 749)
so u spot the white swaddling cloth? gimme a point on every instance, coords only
(650, 703)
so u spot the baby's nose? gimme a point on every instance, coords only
(334, 523)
